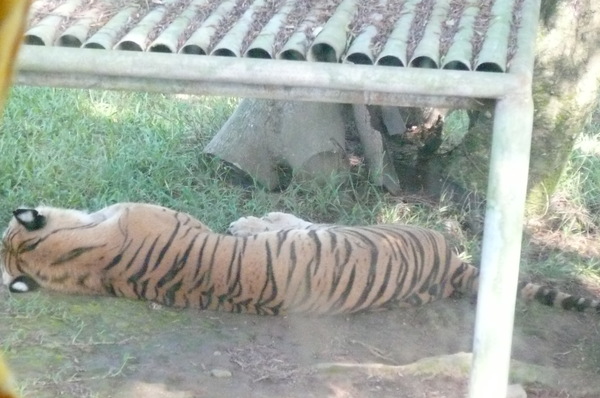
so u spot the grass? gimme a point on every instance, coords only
(88, 149)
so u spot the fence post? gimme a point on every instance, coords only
(507, 187)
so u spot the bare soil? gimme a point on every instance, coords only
(105, 347)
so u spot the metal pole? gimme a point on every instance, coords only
(501, 248)
(507, 187)
(169, 86)
(243, 72)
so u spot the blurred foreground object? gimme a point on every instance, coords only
(6, 381)
(12, 21)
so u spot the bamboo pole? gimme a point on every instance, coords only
(296, 47)
(200, 41)
(263, 45)
(76, 34)
(460, 53)
(106, 37)
(427, 52)
(47, 29)
(256, 72)
(168, 41)
(365, 45)
(331, 40)
(232, 43)
(523, 60)
(137, 38)
(360, 51)
(194, 87)
(13, 14)
(494, 51)
(8, 386)
(394, 53)
(501, 249)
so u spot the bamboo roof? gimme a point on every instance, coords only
(444, 34)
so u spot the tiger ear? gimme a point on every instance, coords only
(23, 284)
(31, 219)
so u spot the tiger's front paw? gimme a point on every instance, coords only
(278, 220)
(246, 226)
(274, 221)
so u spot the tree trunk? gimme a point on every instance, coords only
(565, 88)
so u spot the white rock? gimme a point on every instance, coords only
(220, 373)
(516, 391)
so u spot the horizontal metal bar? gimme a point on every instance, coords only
(244, 72)
(70, 80)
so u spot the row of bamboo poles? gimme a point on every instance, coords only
(448, 34)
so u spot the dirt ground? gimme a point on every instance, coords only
(105, 347)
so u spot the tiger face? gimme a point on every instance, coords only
(28, 241)
(64, 249)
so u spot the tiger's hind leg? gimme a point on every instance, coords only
(273, 221)
(464, 280)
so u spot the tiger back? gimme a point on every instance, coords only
(149, 252)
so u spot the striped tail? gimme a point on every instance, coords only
(556, 298)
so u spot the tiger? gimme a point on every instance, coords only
(276, 265)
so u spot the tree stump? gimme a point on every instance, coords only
(263, 137)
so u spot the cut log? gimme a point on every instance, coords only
(264, 136)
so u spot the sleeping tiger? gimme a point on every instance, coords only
(276, 265)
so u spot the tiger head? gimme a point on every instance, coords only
(32, 240)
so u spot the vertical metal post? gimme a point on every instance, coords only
(501, 248)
